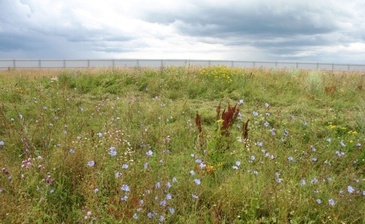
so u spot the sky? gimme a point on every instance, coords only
(330, 31)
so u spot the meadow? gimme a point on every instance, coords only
(182, 145)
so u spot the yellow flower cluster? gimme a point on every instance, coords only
(221, 73)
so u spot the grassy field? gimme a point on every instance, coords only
(182, 145)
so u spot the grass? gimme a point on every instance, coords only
(182, 145)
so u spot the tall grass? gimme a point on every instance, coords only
(182, 145)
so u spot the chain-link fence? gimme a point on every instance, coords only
(154, 63)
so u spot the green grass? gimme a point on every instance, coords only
(304, 146)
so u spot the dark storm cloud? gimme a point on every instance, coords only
(316, 30)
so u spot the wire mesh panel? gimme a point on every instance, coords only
(150, 63)
(130, 63)
(356, 67)
(27, 63)
(4, 64)
(177, 63)
(308, 65)
(52, 63)
(101, 63)
(243, 64)
(286, 65)
(221, 63)
(199, 63)
(77, 63)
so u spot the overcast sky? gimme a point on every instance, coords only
(266, 30)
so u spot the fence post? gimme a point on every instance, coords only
(348, 67)
(296, 65)
(113, 63)
(253, 64)
(88, 63)
(64, 63)
(232, 64)
(333, 66)
(39, 63)
(14, 64)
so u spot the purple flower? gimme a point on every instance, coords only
(197, 181)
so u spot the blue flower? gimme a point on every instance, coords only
(124, 198)
(197, 181)
(331, 202)
(350, 189)
(135, 216)
(125, 188)
(112, 151)
(2, 143)
(91, 163)
(125, 166)
(149, 153)
(195, 196)
(172, 210)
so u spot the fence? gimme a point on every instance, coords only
(115, 63)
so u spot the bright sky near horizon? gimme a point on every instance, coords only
(262, 30)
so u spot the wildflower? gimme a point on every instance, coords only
(314, 180)
(117, 175)
(195, 196)
(96, 190)
(339, 154)
(5, 171)
(135, 216)
(240, 101)
(350, 189)
(171, 210)
(2, 143)
(328, 140)
(286, 133)
(192, 173)
(273, 131)
(267, 105)
(125, 188)
(202, 165)
(125, 166)
(252, 158)
(112, 151)
(145, 165)
(198, 161)
(331, 202)
(174, 180)
(168, 184)
(255, 113)
(314, 159)
(319, 201)
(302, 182)
(168, 196)
(72, 151)
(358, 144)
(91, 163)
(305, 123)
(162, 218)
(124, 198)
(291, 159)
(266, 124)
(163, 203)
(259, 143)
(150, 215)
(197, 181)
(239, 139)
(235, 167)
(99, 134)
(158, 185)
(149, 153)
(292, 116)
(342, 144)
